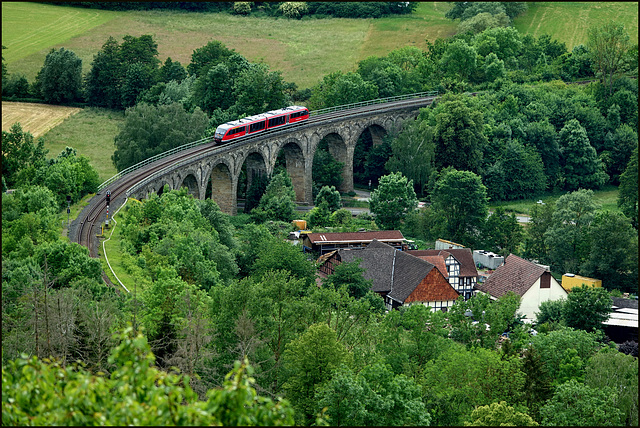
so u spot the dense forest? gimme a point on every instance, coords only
(225, 322)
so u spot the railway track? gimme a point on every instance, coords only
(84, 230)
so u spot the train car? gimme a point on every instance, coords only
(250, 125)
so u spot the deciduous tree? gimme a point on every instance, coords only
(331, 196)
(567, 237)
(413, 152)
(20, 152)
(310, 360)
(608, 45)
(392, 200)
(60, 77)
(581, 167)
(587, 307)
(576, 404)
(149, 130)
(278, 201)
(462, 199)
(609, 368)
(499, 414)
(614, 251)
(628, 195)
(135, 381)
(502, 232)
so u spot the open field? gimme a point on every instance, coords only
(303, 50)
(28, 28)
(91, 132)
(605, 199)
(37, 119)
(569, 21)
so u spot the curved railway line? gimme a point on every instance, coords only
(83, 229)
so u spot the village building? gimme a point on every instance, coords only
(622, 324)
(532, 282)
(461, 269)
(327, 242)
(398, 277)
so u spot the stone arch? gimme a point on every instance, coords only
(297, 169)
(368, 135)
(222, 188)
(160, 188)
(255, 165)
(191, 183)
(250, 167)
(341, 152)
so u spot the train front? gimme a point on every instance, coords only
(220, 132)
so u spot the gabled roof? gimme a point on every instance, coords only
(382, 235)
(431, 253)
(437, 261)
(516, 274)
(409, 272)
(392, 271)
(464, 256)
(433, 288)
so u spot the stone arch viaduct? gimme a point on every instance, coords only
(219, 168)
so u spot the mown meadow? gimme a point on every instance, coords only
(303, 50)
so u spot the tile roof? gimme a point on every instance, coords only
(464, 256)
(319, 238)
(516, 274)
(421, 253)
(395, 272)
(433, 288)
(438, 261)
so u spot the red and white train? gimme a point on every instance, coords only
(261, 122)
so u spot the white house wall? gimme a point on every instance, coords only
(530, 302)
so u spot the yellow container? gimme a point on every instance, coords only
(570, 280)
(300, 224)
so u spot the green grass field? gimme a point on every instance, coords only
(28, 28)
(303, 50)
(569, 21)
(605, 199)
(91, 133)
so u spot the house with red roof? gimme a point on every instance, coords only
(532, 282)
(400, 278)
(461, 269)
(327, 242)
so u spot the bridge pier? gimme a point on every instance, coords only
(223, 189)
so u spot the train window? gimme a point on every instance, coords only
(276, 121)
(258, 126)
(235, 131)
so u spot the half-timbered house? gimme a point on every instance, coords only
(400, 278)
(461, 269)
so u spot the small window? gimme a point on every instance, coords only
(545, 280)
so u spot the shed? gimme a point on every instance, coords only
(570, 280)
